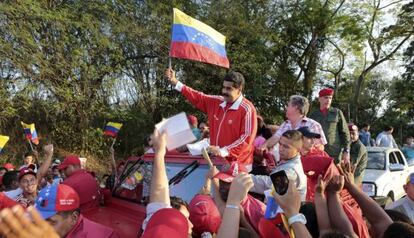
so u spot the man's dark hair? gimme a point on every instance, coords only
(267, 133)
(334, 234)
(295, 136)
(398, 216)
(30, 153)
(388, 128)
(65, 214)
(308, 210)
(399, 230)
(9, 177)
(177, 202)
(235, 77)
(363, 125)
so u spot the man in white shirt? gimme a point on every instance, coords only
(290, 145)
(406, 204)
(385, 138)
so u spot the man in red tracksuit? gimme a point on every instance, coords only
(232, 118)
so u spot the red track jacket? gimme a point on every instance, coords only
(232, 127)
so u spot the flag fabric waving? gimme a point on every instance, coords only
(194, 40)
(112, 128)
(3, 141)
(30, 132)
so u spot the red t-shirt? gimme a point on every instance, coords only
(87, 188)
(318, 162)
(253, 211)
(86, 228)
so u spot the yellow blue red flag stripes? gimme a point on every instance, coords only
(194, 40)
(112, 128)
(3, 141)
(30, 132)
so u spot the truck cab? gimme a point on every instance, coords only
(124, 206)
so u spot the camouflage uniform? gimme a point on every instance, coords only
(359, 157)
(336, 131)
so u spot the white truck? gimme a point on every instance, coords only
(386, 173)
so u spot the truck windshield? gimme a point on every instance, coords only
(186, 179)
(376, 160)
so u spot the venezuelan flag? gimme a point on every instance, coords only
(194, 40)
(3, 141)
(112, 128)
(30, 132)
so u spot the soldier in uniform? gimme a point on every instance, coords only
(334, 126)
(358, 154)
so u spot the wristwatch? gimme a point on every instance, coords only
(297, 218)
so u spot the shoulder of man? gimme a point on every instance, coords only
(97, 229)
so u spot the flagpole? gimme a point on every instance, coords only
(31, 146)
(113, 158)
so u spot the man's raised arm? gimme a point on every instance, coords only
(159, 191)
(196, 98)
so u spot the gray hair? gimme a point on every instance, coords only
(301, 103)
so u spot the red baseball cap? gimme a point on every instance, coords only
(56, 198)
(192, 119)
(204, 215)
(352, 127)
(69, 160)
(167, 223)
(27, 170)
(326, 92)
(8, 166)
(229, 171)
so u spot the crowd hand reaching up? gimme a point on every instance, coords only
(336, 184)
(14, 223)
(347, 170)
(241, 184)
(159, 141)
(213, 150)
(212, 172)
(170, 75)
(320, 186)
(48, 150)
(290, 201)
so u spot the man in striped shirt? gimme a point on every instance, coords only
(296, 111)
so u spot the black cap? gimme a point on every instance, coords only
(307, 133)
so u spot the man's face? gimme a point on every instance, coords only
(410, 141)
(291, 111)
(354, 135)
(203, 127)
(409, 189)
(229, 92)
(308, 143)
(28, 160)
(286, 149)
(63, 224)
(325, 101)
(69, 170)
(186, 213)
(390, 131)
(224, 189)
(28, 183)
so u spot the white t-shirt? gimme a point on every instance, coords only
(13, 194)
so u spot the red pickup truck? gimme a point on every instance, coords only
(124, 209)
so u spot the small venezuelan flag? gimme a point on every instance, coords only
(30, 132)
(3, 141)
(112, 128)
(194, 40)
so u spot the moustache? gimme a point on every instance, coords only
(225, 95)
